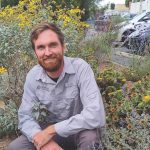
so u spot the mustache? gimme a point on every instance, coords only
(50, 57)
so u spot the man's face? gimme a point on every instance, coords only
(49, 51)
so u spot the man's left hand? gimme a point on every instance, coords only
(43, 137)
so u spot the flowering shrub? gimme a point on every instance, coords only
(110, 80)
(127, 106)
(28, 13)
(16, 54)
(8, 119)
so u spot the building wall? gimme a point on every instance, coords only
(121, 7)
(140, 7)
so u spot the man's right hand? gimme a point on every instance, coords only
(43, 137)
(51, 145)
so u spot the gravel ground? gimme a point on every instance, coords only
(4, 143)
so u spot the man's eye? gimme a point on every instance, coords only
(40, 48)
(53, 45)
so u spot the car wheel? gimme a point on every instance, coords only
(126, 34)
(137, 45)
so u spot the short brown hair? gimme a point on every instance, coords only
(45, 26)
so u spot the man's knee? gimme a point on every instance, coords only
(12, 145)
(21, 143)
(87, 139)
(88, 136)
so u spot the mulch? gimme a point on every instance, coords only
(4, 142)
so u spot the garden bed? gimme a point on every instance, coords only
(126, 97)
(5, 141)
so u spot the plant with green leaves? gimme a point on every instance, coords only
(40, 113)
(141, 65)
(8, 119)
(114, 138)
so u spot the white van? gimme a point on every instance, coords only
(136, 23)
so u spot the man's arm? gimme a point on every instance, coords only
(93, 114)
(27, 124)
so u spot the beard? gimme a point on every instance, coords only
(51, 63)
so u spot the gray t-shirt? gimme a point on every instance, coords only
(74, 101)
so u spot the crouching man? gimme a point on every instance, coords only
(67, 87)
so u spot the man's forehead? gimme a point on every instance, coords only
(47, 36)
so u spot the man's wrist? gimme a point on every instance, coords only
(51, 130)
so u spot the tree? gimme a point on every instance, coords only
(112, 6)
(127, 2)
(89, 6)
(5, 3)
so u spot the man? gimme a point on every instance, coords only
(66, 86)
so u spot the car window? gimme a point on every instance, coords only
(145, 18)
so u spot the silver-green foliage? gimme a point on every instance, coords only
(8, 119)
(123, 139)
(16, 56)
(13, 41)
(141, 65)
(40, 113)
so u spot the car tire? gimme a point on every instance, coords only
(126, 34)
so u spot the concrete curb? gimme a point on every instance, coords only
(123, 66)
(128, 55)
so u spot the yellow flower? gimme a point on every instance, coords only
(111, 93)
(119, 91)
(85, 25)
(2, 104)
(128, 119)
(53, 2)
(146, 99)
(11, 11)
(143, 122)
(112, 109)
(123, 80)
(129, 126)
(2, 70)
(99, 78)
(21, 3)
(115, 118)
(74, 11)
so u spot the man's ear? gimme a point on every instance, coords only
(65, 47)
(35, 53)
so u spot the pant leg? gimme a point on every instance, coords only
(67, 143)
(21, 143)
(88, 140)
(84, 140)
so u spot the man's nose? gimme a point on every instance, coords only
(48, 51)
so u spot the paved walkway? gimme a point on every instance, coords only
(120, 55)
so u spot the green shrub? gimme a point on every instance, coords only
(8, 119)
(123, 139)
(141, 65)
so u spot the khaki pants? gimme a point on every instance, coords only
(84, 140)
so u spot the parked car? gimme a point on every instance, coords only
(135, 24)
(137, 40)
(128, 16)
